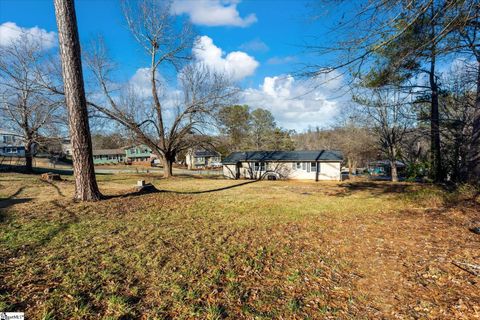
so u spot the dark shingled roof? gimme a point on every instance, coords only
(101, 152)
(206, 153)
(304, 155)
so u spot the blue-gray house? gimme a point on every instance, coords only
(11, 144)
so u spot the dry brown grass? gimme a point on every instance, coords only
(213, 248)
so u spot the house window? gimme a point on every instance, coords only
(259, 166)
(313, 165)
(7, 139)
(304, 166)
(11, 150)
(299, 165)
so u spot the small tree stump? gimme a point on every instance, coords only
(49, 176)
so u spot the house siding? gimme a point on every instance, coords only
(108, 159)
(139, 154)
(195, 159)
(11, 145)
(328, 170)
(12, 151)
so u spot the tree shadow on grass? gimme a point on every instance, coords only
(10, 201)
(375, 188)
(39, 170)
(211, 190)
(57, 189)
(152, 189)
(31, 249)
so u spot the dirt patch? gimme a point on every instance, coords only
(404, 263)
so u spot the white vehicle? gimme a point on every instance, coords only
(215, 164)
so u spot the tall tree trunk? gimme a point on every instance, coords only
(86, 188)
(350, 167)
(474, 148)
(28, 157)
(167, 167)
(393, 170)
(437, 170)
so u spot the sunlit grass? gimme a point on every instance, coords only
(199, 248)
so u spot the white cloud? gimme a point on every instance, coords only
(236, 64)
(282, 60)
(255, 45)
(140, 82)
(297, 104)
(10, 32)
(213, 12)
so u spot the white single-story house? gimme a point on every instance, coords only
(303, 165)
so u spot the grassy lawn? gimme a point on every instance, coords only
(214, 249)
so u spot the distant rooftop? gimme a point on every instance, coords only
(100, 152)
(303, 155)
(206, 153)
(4, 131)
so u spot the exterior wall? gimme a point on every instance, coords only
(214, 159)
(287, 170)
(199, 162)
(11, 145)
(229, 171)
(139, 154)
(108, 159)
(67, 148)
(12, 151)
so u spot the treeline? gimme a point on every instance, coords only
(244, 129)
(413, 68)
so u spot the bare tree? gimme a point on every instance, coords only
(468, 27)
(86, 188)
(459, 117)
(389, 115)
(191, 112)
(354, 140)
(203, 91)
(25, 106)
(412, 36)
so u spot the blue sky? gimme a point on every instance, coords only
(269, 34)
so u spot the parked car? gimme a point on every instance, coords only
(215, 164)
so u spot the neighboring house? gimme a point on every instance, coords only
(307, 165)
(140, 154)
(108, 156)
(67, 147)
(201, 158)
(383, 168)
(11, 144)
